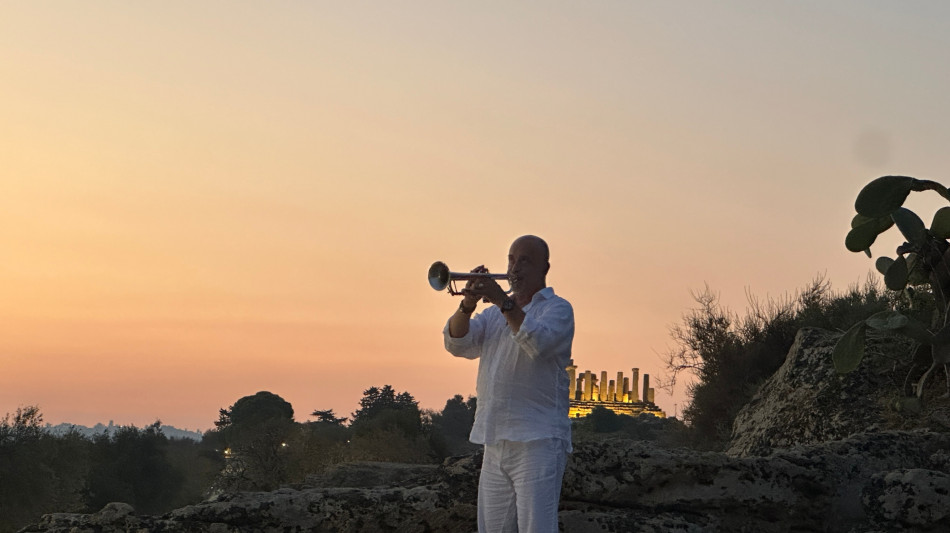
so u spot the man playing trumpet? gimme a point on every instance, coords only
(523, 345)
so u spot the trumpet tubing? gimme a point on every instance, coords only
(440, 278)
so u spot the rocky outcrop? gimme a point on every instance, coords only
(813, 451)
(807, 402)
(820, 487)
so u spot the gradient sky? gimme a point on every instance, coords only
(202, 200)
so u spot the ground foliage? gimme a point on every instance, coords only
(603, 424)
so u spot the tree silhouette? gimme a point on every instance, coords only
(329, 417)
(388, 427)
(39, 473)
(132, 466)
(376, 400)
(451, 427)
(254, 409)
(256, 430)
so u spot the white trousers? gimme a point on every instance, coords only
(520, 485)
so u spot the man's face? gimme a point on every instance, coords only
(527, 267)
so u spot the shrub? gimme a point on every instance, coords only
(730, 356)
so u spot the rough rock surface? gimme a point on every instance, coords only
(819, 487)
(908, 497)
(812, 452)
(807, 402)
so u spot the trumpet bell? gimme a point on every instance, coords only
(439, 276)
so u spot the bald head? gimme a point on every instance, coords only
(535, 243)
(528, 265)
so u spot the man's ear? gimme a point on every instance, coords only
(547, 266)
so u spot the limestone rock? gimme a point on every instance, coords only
(816, 487)
(911, 498)
(116, 516)
(114, 512)
(807, 402)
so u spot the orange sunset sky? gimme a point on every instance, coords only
(202, 200)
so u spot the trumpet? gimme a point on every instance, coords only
(440, 278)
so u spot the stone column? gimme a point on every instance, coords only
(646, 387)
(634, 381)
(650, 395)
(611, 391)
(579, 388)
(619, 396)
(603, 386)
(571, 383)
(626, 390)
(588, 385)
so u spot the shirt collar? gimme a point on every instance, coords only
(543, 294)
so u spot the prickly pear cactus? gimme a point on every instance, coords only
(922, 260)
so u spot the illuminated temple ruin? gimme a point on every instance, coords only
(620, 396)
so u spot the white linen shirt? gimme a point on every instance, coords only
(522, 384)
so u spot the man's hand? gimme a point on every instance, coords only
(483, 288)
(470, 300)
(458, 324)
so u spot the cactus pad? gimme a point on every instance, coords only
(883, 195)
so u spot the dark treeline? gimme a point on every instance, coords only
(43, 473)
(256, 445)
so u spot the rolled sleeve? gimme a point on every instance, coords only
(549, 331)
(467, 346)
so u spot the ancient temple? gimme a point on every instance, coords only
(621, 396)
